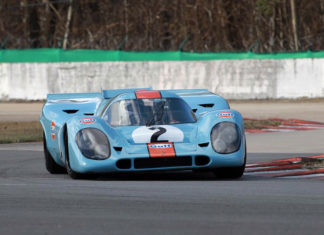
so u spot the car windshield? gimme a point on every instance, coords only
(139, 112)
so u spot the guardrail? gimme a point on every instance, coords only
(32, 74)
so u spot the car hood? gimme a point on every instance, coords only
(177, 133)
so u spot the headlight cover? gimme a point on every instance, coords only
(225, 137)
(93, 143)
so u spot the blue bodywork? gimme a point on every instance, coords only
(62, 113)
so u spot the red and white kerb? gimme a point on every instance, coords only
(145, 94)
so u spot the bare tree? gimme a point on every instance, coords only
(162, 25)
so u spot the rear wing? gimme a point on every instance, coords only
(66, 104)
(72, 97)
(202, 100)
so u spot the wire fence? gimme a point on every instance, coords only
(164, 25)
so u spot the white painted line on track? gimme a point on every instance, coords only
(264, 173)
(13, 149)
(301, 176)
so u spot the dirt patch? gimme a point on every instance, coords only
(17, 132)
(311, 163)
(260, 124)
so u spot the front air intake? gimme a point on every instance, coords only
(202, 160)
(124, 164)
(143, 163)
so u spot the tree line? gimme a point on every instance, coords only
(164, 25)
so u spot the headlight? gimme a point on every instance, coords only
(225, 137)
(93, 143)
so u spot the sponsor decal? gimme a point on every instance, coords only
(87, 120)
(53, 130)
(53, 126)
(225, 115)
(157, 134)
(153, 146)
(144, 94)
(165, 149)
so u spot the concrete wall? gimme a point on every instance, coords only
(234, 79)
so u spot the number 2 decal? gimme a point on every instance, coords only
(155, 134)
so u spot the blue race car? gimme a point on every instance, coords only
(131, 130)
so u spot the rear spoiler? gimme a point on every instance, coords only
(72, 97)
(191, 92)
(202, 100)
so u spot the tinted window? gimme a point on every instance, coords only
(140, 112)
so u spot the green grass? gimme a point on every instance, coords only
(310, 163)
(18, 132)
(259, 124)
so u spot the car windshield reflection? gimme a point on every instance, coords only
(139, 112)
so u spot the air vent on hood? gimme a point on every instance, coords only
(207, 105)
(88, 114)
(118, 149)
(70, 111)
(203, 144)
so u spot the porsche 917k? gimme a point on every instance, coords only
(129, 130)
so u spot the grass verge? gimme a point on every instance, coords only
(18, 132)
(260, 124)
(310, 163)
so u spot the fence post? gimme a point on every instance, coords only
(294, 22)
(122, 43)
(183, 43)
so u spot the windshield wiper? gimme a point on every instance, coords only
(155, 113)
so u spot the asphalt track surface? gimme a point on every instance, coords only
(34, 202)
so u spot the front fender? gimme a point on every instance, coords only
(77, 161)
(208, 120)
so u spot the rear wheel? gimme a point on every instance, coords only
(51, 166)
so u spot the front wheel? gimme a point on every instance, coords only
(231, 172)
(71, 173)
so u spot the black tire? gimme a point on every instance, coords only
(231, 172)
(71, 173)
(51, 166)
(74, 175)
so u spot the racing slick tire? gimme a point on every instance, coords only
(71, 173)
(51, 166)
(231, 172)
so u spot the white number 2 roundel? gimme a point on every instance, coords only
(151, 134)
